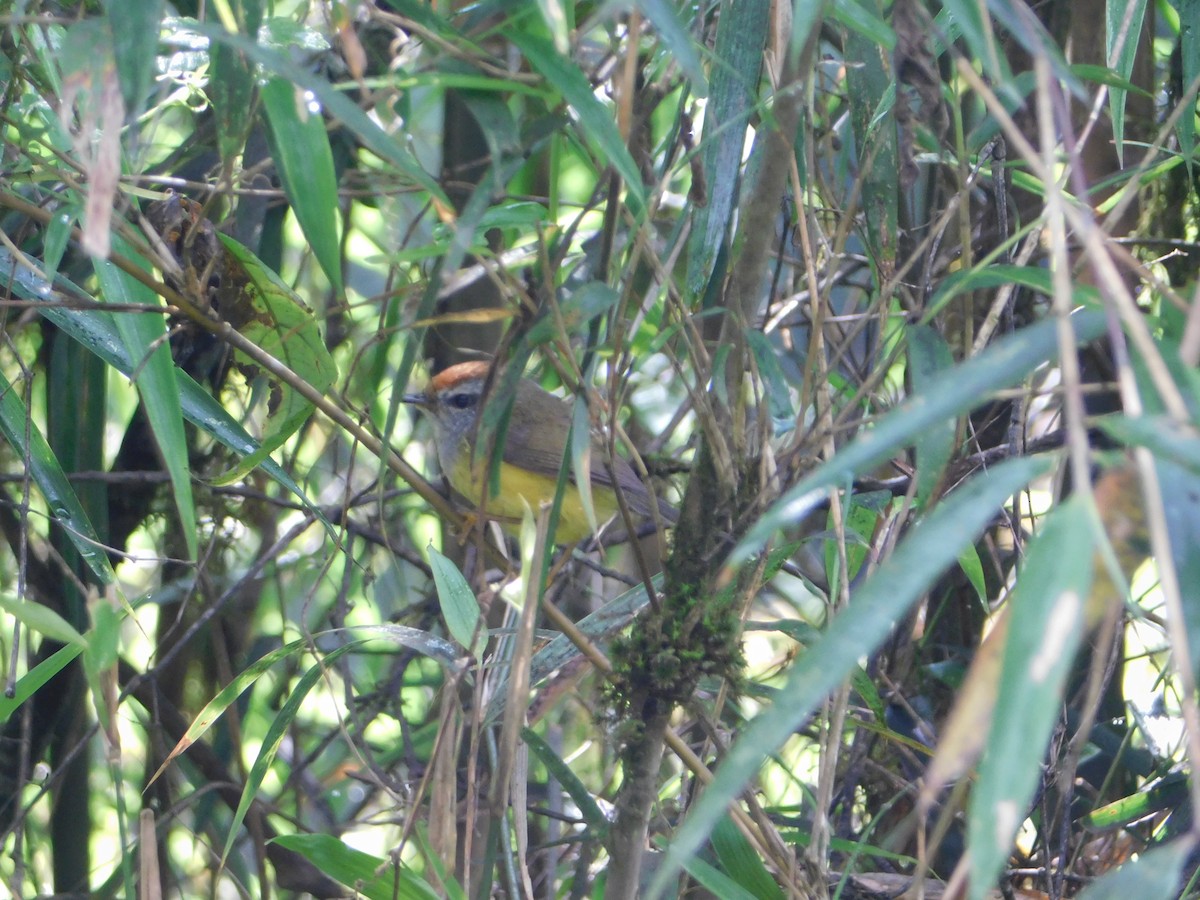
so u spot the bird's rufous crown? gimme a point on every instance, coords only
(457, 374)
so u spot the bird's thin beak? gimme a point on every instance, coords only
(421, 399)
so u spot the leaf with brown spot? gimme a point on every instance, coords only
(258, 304)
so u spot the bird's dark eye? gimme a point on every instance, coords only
(462, 401)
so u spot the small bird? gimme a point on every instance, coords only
(533, 453)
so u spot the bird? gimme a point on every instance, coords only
(534, 447)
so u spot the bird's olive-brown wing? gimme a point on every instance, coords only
(537, 441)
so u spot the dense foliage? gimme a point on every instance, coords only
(895, 303)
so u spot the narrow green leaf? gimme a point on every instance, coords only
(595, 119)
(972, 567)
(741, 37)
(460, 608)
(1189, 53)
(918, 561)
(967, 16)
(225, 698)
(274, 737)
(1154, 875)
(369, 876)
(576, 790)
(740, 861)
(1161, 434)
(866, 21)
(273, 317)
(951, 393)
(134, 28)
(231, 89)
(29, 683)
(984, 278)
(300, 146)
(145, 337)
(423, 642)
(929, 355)
(1165, 794)
(44, 621)
(597, 626)
(57, 236)
(554, 15)
(96, 330)
(48, 475)
(678, 43)
(715, 881)
(341, 107)
(870, 85)
(1122, 25)
(1180, 491)
(581, 461)
(1045, 628)
(766, 357)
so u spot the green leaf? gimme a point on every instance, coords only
(554, 15)
(740, 861)
(870, 85)
(341, 107)
(918, 561)
(1045, 627)
(678, 43)
(134, 26)
(274, 737)
(29, 683)
(1162, 435)
(460, 608)
(231, 88)
(967, 16)
(48, 475)
(1123, 24)
(96, 330)
(929, 355)
(597, 626)
(145, 337)
(766, 357)
(595, 119)
(269, 314)
(715, 881)
(865, 21)
(214, 708)
(1154, 875)
(576, 790)
(985, 278)
(1189, 54)
(358, 870)
(741, 38)
(972, 567)
(861, 514)
(300, 147)
(951, 393)
(43, 620)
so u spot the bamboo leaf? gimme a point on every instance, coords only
(1045, 628)
(595, 119)
(933, 544)
(952, 393)
(145, 337)
(300, 146)
(741, 37)
(460, 608)
(47, 473)
(274, 737)
(134, 27)
(369, 876)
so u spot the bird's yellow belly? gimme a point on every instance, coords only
(517, 484)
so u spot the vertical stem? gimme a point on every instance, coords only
(642, 758)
